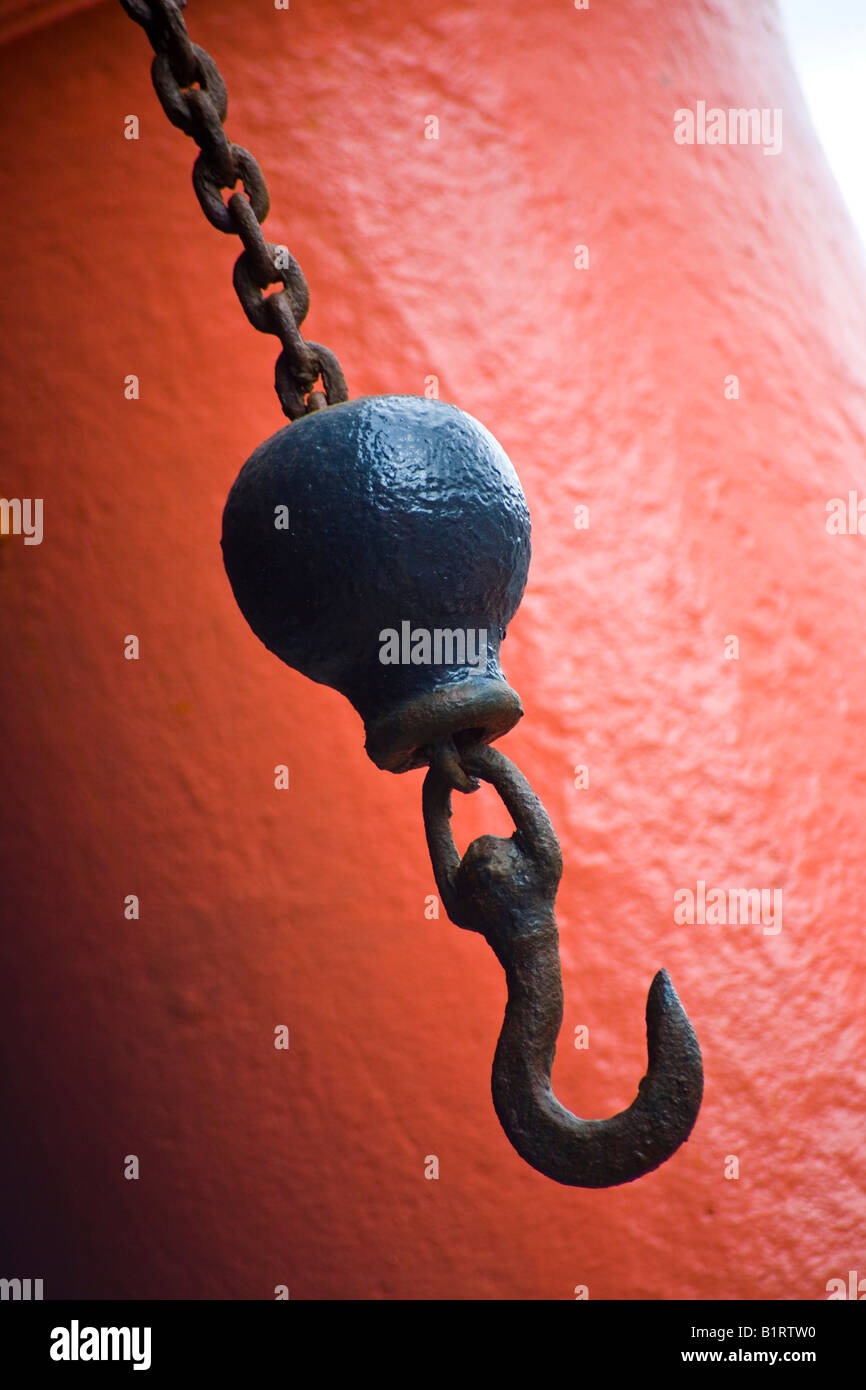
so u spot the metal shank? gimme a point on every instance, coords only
(505, 889)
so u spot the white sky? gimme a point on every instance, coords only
(828, 43)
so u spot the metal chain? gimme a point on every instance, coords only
(199, 111)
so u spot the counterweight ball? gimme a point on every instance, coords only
(381, 547)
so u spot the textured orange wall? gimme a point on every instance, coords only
(306, 907)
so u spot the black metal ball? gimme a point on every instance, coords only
(364, 517)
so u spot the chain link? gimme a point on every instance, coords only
(200, 111)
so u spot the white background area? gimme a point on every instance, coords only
(827, 39)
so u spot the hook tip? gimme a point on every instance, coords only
(675, 1075)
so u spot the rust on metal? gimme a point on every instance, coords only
(307, 602)
(199, 111)
(506, 889)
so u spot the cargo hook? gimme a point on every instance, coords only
(505, 889)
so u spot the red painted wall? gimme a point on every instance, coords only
(708, 518)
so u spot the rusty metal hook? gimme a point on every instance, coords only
(505, 889)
